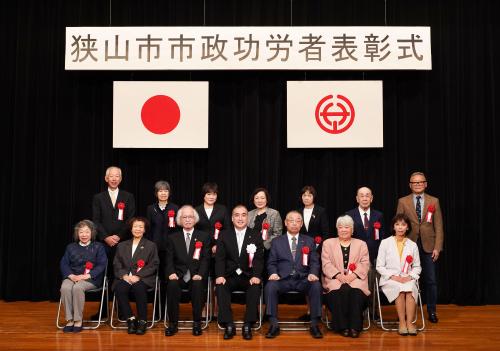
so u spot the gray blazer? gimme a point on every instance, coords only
(275, 224)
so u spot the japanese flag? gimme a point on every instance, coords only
(160, 115)
(334, 114)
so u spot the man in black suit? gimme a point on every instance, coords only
(293, 265)
(111, 209)
(188, 259)
(369, 227)
(239, 261)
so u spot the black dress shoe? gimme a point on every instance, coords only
(68, 329)
(197, 329)
(354, 333)
(306, 317)
(274, 331)
(345, 332)
(171, 330)
(141, 327)
(132, 326)
(247, 332)
(315, 332)
(433, 318)
(229, 331)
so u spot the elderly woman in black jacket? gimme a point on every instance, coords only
(82, 268)
(135, 266)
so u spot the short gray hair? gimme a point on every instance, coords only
(345, 221)
(161, 185)
(85, 223)
(113, 167)
(179, 214)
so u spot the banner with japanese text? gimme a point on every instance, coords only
(248, 48)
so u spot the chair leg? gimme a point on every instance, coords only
(59, 314)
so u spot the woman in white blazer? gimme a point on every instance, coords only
(398, 264)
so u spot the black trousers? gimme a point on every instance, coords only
(197, 288)
(140, 292)
(347, 305)
(233, 283)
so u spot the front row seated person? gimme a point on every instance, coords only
(135, 266)
(188, 260)
(293, 265)
(346, 263)
(239, 261)
(82, 268)
(398, 263)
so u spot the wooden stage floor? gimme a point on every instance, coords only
(31, 326)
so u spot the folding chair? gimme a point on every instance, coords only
(239, 323)
(151, 322)
(388, 325)
(293, 325)
(366, 316)
(104, 291)
(208, 309)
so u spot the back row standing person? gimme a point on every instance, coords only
(426, 219)
(368, 226)
(263, 218)
(111, 209)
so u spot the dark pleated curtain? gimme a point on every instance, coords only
(57, 130)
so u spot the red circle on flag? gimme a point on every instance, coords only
(160, 114)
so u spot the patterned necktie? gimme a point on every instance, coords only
(294, 246)
(365, 221)
(187, 276)
(188, 241)
(418, 208)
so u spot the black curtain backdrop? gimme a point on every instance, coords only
(57, 130)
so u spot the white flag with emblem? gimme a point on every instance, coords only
(334, 114)
(160, 115)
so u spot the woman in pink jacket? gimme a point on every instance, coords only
(346, 262)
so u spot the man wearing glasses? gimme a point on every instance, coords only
(424, 213)
(187, 263)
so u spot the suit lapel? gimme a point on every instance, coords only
(138, 250)
(338, 255)
(300, 245)
(427, 202)
(411, 207)
(233, 241)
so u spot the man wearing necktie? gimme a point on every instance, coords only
(365, 217)
(186, 268)
(426, 219)
(293, 265)
(239, 261)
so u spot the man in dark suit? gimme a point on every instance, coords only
(293, 265)
(188, 258)
(368, 226)
(424, 212)
(111, 209)
(239, 261)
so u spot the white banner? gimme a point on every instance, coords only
(160, 115)
(248, 48)
(334, 114)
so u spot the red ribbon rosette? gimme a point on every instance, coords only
(197, 250)
(408, 262)
(430, 212)
(305, 255)
(218, 227)
(171, 215)
(140, 265)
(317, 240)
(120, 206)
(352, 267)
(88, 266)
(376, 230)
(265, 228)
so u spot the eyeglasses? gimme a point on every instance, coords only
(419, 183)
